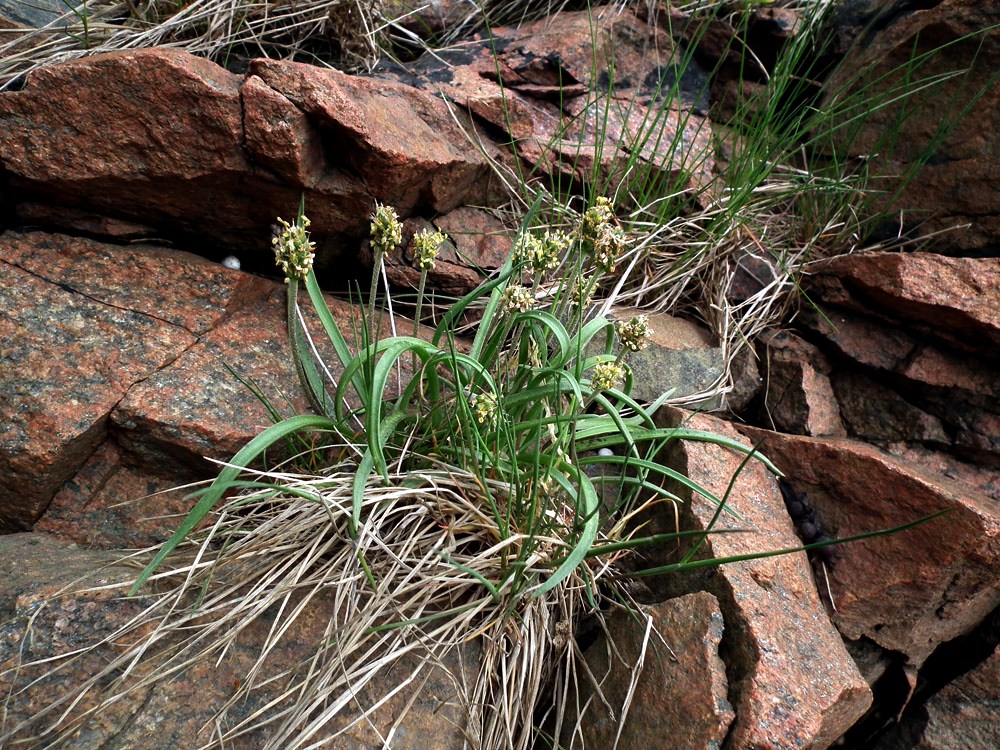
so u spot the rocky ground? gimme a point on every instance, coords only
(124, 178)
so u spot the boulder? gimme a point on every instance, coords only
(943, 125)
(659, 673)
(934, 582)
(165, 139)
(953, 302)
(578, 118)
(56, 598)
(112, 504)
(778, 633)
(85, 322)
(798, 396)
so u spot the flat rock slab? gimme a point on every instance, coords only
(110, 504)
(81, 323)
(45, 612)
(953, 300)
(908, 592)
(681, 688)
(198, 408)
(793, 684)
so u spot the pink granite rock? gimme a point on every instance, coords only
(908, 592)
(577, 118)
(798, 397)
(954, 300)
(681, 690)
(401, 144)
(82, 323)
(45, 612)
(956, 185)
(792, 683)
(109, 504)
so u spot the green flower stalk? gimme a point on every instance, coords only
(427, 245)
(386, 234)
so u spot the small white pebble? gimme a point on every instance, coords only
(231, 261)
(605, 452)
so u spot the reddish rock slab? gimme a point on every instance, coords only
(963, 714)
(958, 389)
(44, 612)
(575, 117)
(681, 689)
(792, 682)
(75, 337)
(197, 408)
(955, 300)
(908, 592)
(957, 184)
(798, 396)
(279, 136)
(109, 504)
(879, 414)
(401, 143)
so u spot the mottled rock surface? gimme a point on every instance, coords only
(797, 396)
(792, 683)
(680, 690)
(43, 611)
(934, 582)
(81, 324)
(957, 185)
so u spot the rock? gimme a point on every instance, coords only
(798, 396)
(957, 389)
(955, 186)
(681, 357)
(83, 323)
(777, 629)
(933, 582)
(109, 504)
(575, 118)
(879, 414)
(172, 141)
(681, 688)
(964, 713)
(44, 613)
(951, 301)
(197, 408)
(400, 143)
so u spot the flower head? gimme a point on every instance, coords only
(594, 218)
(634, 334)
(516, 298)
(609, 246)
(601, 235)
(386, 231)
(484, 407)
(427, 245)
(293, 250)
(607, 375)
(541, 253)
(582, 292)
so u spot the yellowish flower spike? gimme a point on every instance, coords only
(484, 407)
(293, 250)
(607, 375)
(634, 334)
(427, 245)
(517, 299)
(386, 231)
